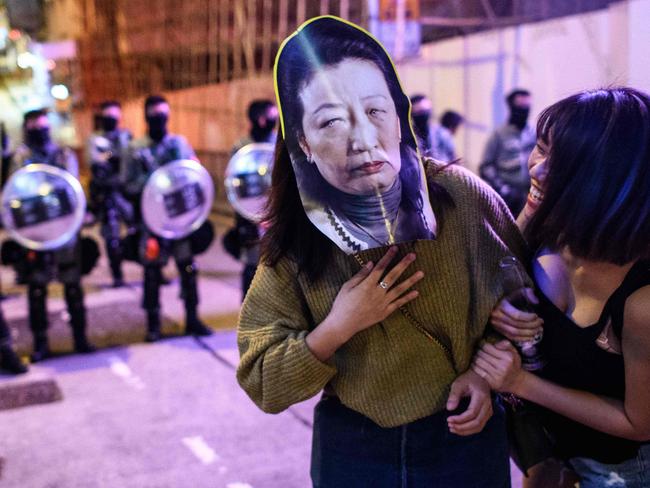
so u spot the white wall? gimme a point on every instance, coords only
(552, 59)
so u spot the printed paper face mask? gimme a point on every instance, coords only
(345, 121)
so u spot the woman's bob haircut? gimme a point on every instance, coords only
(597, 193)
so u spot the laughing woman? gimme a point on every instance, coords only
(588, 216)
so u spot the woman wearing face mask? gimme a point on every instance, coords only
(354, 154)
(588, 217)
(332, 309)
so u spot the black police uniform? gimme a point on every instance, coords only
(147, 155)
(64, 264)
(107, 152)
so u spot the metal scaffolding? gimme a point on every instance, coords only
(133, 47)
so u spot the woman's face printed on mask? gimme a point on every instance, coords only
(350, 127)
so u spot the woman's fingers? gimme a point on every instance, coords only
(515, 324)
(502, 357)
(473, 423)
(489, 351)
(393, 275)
(476, 424)
(530, 293)
(400, 302)
(486, 374)
(508, 310)
(482, 372)
(500, 349)
(510, 332)
(516, 333)
(486, 363)
(361, 275)
(382, 264)
(472, 411)
(519, 319)
(490, 373)
(399, 290)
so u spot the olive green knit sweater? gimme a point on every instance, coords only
(391, 372)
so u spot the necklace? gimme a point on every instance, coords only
(390, 228)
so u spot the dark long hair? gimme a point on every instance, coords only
(597, 192)
(290, 232)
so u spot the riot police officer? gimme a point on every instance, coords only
(63, 264)
(146, 154)
(263, 117)
(107, 150)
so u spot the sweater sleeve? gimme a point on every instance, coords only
(277, 369)
(497, 222)
(500, 221)
(495, 214)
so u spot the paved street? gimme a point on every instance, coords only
(168, 414)
(163, 415)
(136, 415)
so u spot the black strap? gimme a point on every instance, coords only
(637, 277)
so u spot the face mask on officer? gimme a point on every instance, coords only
(261, 132)
(157, 124)
(271, 122)
(519, 116)
(421, 123)
(37, 137)
(109, 124)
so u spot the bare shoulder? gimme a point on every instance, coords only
(637, 315)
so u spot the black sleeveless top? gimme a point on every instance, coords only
(574, 360)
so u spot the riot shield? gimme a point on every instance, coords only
(42, 207)
(248, 179)
(177, 199)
